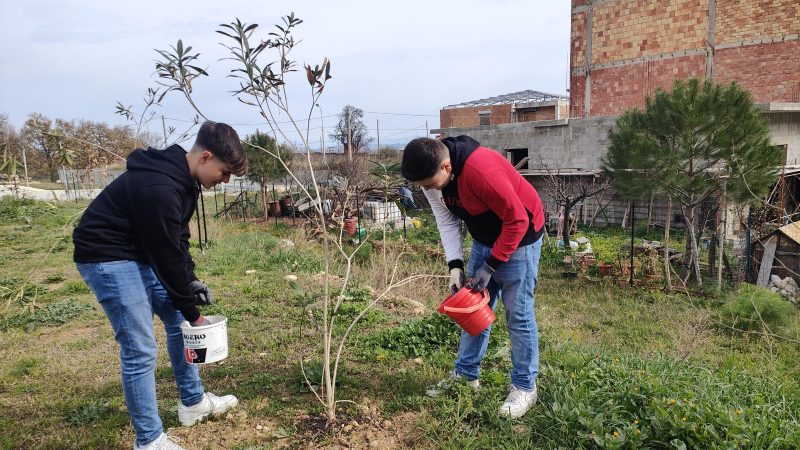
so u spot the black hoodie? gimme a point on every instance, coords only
(144, 216)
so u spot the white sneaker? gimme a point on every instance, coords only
(437, 389)
(518, 402)
(211, 404)
(161, 443)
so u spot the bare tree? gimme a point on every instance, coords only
(351, 131)
(567, 190)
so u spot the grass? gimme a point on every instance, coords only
(620, 367)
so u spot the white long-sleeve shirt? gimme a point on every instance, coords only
(449, 226)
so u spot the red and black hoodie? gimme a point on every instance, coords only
(498, 206)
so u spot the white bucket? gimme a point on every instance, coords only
(206, 343)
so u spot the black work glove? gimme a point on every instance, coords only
(202, 295)
(481, 279)
(456, 279)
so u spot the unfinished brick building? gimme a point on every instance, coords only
(622, 50)
(524, 106)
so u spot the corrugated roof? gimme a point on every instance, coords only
(528, 96)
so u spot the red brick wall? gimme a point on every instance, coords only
(629, 29)
(577, 86)
(619, 88)
(578, 39)
(468, 117)
(755, 19)
(543, 113)
(641, 37)
(771, 72)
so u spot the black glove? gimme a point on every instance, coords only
(456, 279)
(481, 279)
(202, 295)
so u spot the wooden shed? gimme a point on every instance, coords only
(778, 253)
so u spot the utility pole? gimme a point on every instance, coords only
(25, 165)
(427, 133)
(378, 125)
(349, 146)
(721, 231)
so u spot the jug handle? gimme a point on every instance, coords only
(470, 309)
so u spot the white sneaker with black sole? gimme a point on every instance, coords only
(518, 402)
(210, 405)
(437, 389)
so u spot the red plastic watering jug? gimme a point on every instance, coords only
(469, 309)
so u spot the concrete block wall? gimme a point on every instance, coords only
(574, 143)
(785, 130)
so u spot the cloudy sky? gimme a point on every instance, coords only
(401, 63)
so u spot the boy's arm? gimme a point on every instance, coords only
(449, 229)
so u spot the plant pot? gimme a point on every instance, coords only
(274, 208)
(350, 226)
(285, 204)
(605, 269)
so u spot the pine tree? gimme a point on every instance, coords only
(685, 142)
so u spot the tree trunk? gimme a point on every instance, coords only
(694, 257)
(667, 267)
(264, 200)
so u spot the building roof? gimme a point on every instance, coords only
(792, 231)
(528, 96)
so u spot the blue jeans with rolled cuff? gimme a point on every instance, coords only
(513, 282)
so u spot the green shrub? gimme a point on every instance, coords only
(754, 308)
(363, 254)
(87, 413)
(416, 338)
(15, 209)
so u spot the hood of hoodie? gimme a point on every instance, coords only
(170, 162)
(460, 148)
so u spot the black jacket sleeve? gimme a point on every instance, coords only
(185, 235)
(159, 229)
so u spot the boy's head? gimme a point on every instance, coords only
(217, 153)
(426, 162)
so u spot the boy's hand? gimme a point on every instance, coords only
(456, 279)
(202, 295)
(481, 279)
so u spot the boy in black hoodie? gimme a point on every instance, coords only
(132, 248)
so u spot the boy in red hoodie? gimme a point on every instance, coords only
(467, 183)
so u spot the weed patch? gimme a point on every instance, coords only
(754, 308)
(53, 314)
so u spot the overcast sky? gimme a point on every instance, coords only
(401, 63)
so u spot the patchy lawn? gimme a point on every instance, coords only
(620, 367)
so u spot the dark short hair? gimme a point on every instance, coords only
(224, 143)
(421, 158)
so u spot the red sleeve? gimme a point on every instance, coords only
(495, 190)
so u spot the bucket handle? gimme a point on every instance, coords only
(470, 309)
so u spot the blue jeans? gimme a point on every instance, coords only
(514, 282)
(130, 293)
